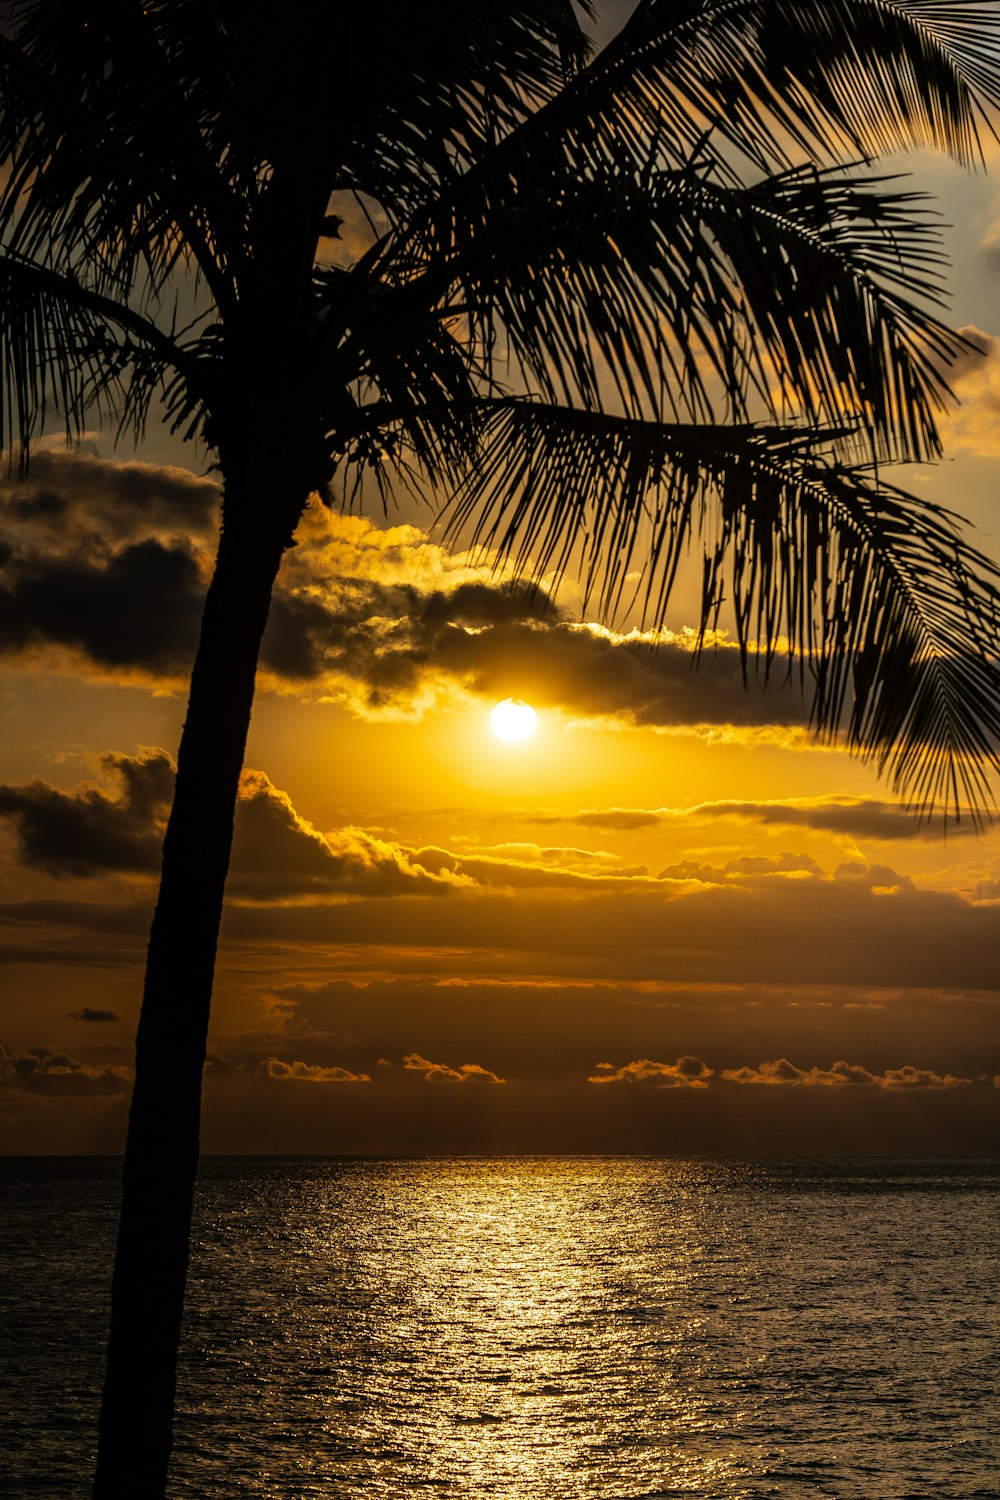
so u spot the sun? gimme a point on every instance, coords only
(513, 720)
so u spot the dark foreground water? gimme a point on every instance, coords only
(540, 1329)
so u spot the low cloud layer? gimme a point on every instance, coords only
(438, 1072)
(42, 1071)
(692, 1072)
(686, 1072)
(845, 817)
(277, 1071)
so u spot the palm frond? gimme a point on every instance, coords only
(68, 348)
(772, 78)
(685, 297)
(876, 594)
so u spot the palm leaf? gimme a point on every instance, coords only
(694, 298)
(65, 347)
(893, 615)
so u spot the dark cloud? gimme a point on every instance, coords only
(853, 817)
(88, 1013)
(66, 496)
(105, 560)
(763, 929)
(489, 870)
(388, 649)
(83, 832)
(381, 639)
(742, 867)
(41, 1071)
(276, 853)
(850, 817)
(135, 608)
(109, 563)
(618, 819)
(530, 1029)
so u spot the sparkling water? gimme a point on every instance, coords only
(531, 1329)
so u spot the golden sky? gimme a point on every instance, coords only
(668, 921)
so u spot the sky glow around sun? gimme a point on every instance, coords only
(513, 720)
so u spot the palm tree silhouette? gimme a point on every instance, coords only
(607, 304)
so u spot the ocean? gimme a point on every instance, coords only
(550, 1328)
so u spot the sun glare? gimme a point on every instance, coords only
(513, 720)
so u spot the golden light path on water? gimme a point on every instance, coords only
(515, 1328)
(589, 1329)
(503, 1284)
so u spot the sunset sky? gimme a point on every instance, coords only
(668, 921)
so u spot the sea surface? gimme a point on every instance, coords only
(531, 1329)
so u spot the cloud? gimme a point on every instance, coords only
(276, 853)
(106, 562)
(66, 496)
(741, 867)
(81, 832)
(300, 1072)
(874, 877)
(528, 873)
(849, 817)
(41, 1071)
(137, 608)
(692, 1072)
(548, 1030)
(88, 1013)
(441, 1073)
(975, 379)
(990, 246)
(106, 565)
(686, 1072)
(841, 1075)
(779, 928)
(618, 819)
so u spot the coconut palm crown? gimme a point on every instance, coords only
(609, 307)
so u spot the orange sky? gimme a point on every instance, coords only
(668, 922)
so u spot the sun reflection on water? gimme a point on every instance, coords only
(530, 1332)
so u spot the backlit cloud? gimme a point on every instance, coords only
(42, 1071)
(436, 1072)
(104, 569)
(686, 1072)
(276, 853)
(841, 1074)
(300, 1072)
(975, 378)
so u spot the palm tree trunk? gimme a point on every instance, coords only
(161, 1153)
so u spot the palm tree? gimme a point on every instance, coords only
(608, 303)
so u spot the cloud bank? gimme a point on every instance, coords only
(105, 567)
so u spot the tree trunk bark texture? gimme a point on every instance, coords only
(161, 1154)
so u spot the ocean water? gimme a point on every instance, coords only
(531, 1329)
